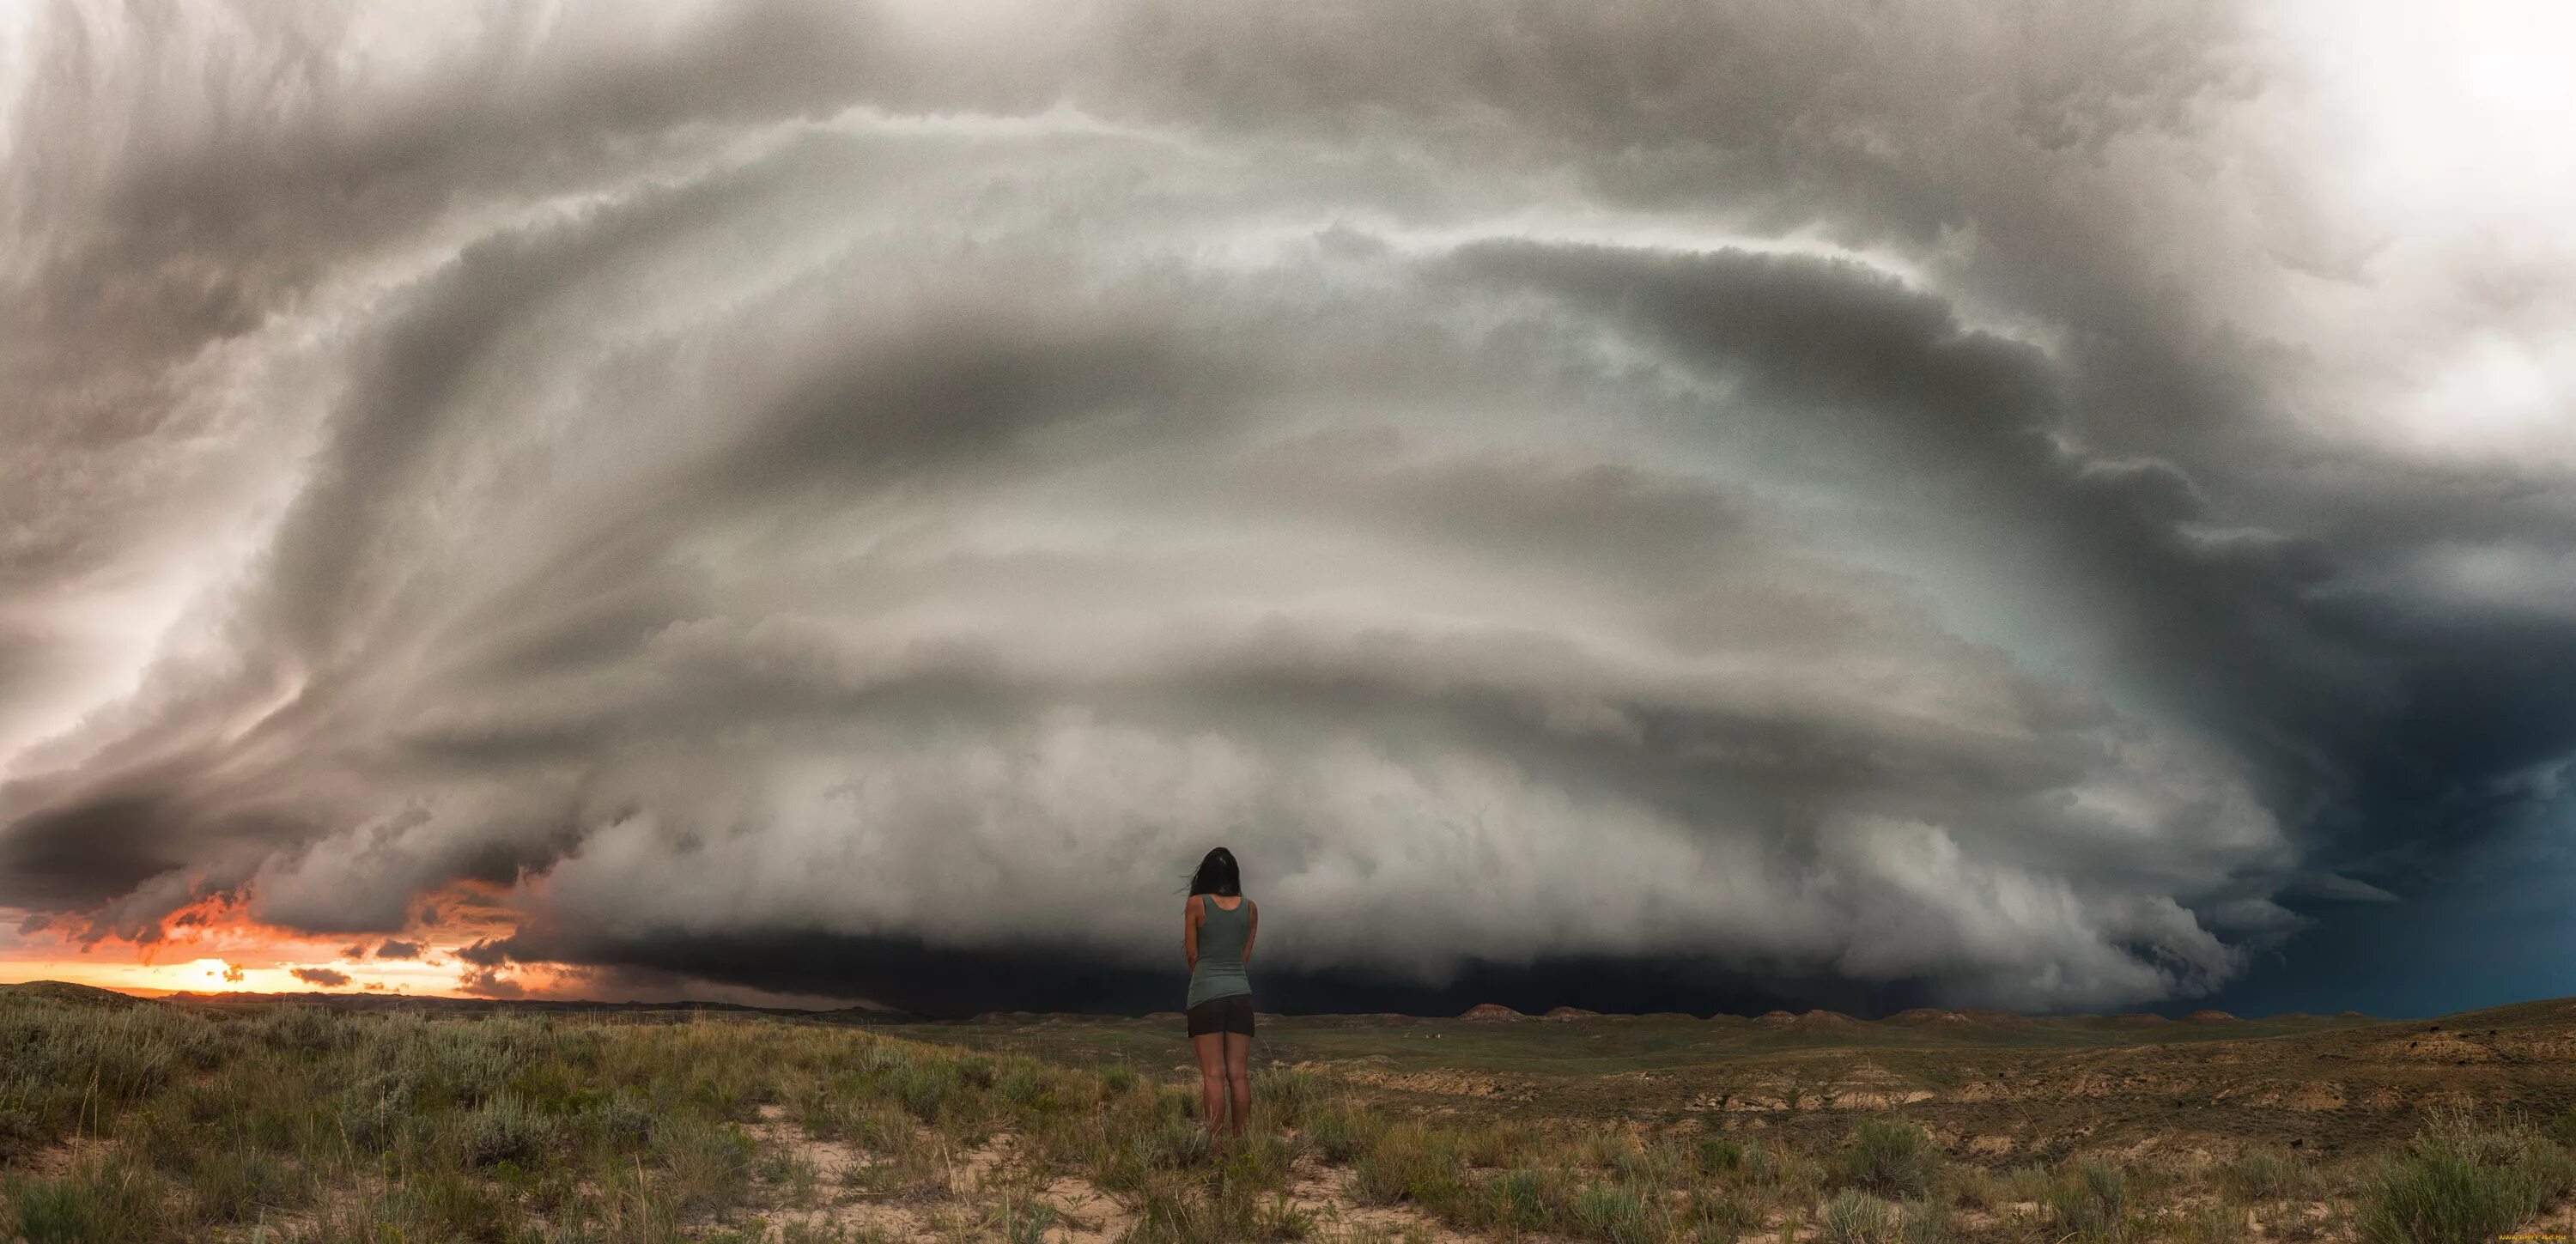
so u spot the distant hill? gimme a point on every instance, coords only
(65, 991)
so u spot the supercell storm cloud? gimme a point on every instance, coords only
(2019, 503)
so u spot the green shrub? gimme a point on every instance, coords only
(1520, 1200)
(709, 1162)
(1659, 1163)
(922, 1090)
(1495, 1146)
(1183, 1214)
(1283, 1219)
(2218, 1223)
(2027, 1182)
(97, 1201)
(1716, 1217)
(1020, 1086)
(1026, 1222)
(301, 1029)
(1339, 1136)
(233, 1183)
(2091, 1202)
(451, 1204)
(20, 1130)
(2268, 1175)
(2459, 1183)
(1892, 1157)
(1619, 1213)
(1170, 1145)
(2563, 1128)
(622, 1122)
(463, 1064)
(1855, 1217)
(1408, 1162)
(1761, 1166)
(1717, 1154)
(1604, 1149)
(880, 1062)
(376, 1110)
(506, 1130)
(1922, 1222)
(1285, 1098)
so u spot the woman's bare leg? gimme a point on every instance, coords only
(1238, 1070)
(1210, 1047)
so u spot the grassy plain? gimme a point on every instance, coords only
(123, 1120)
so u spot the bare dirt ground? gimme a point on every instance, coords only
(840, 1201)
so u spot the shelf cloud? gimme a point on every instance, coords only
(833, 498)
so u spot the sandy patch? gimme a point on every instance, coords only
(1320, 1191)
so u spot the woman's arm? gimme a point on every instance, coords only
(1190, 932)
(1252, 932)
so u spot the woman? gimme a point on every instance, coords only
(1217, 925)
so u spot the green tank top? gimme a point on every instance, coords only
(1222, 933)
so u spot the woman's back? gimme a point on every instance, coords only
(1222, 933)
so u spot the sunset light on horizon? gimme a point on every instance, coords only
(213, 946)
(215, 976)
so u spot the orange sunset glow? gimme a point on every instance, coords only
(214, 946)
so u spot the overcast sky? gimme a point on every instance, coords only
(2029, 505)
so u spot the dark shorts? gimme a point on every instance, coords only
(1232, 1013)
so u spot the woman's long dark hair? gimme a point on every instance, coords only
(1217, 874)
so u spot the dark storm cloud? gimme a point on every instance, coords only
(394, 948)
(809, 497)
(487, 983)
(1966, 420)
(323, 977)
(88, 852)
(952, 983)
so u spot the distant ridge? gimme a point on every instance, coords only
(1816, 1021)
(78, 995)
